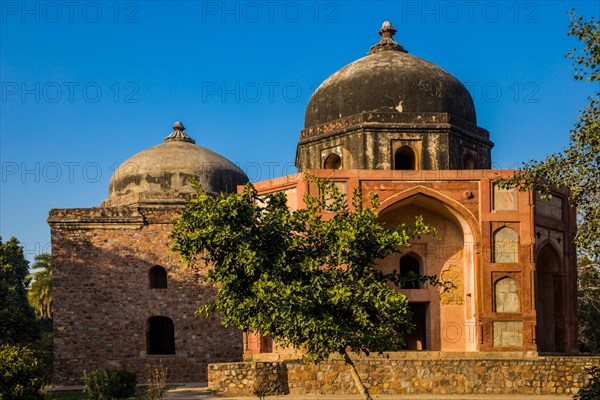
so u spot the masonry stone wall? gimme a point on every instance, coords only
(245, 378)
(103, 300)
(405, 373)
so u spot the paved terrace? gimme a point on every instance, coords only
(194, 391)
(202, 392)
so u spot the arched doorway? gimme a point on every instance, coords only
(549, 302)
(443, 321)
(417, 339)
(405, 158)
(410, 266)
(333, 161)
(160, 336)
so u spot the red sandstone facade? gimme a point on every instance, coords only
(514, 289)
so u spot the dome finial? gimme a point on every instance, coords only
(178, 135)
(387, 30)
(387, 43)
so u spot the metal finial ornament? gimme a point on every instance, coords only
(387, 43)
(178, 135)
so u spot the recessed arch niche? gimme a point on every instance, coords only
(549, 300)
(453, 253)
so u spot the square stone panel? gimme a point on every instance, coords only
(508, 333)
(504, 199)
(550, 208)
(506, 296)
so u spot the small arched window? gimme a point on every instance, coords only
(333, 161)
(405, 159)
(506, 244)
(506, 296)
(468, 162)
(157, 277)
(161, 336)
(410, 267)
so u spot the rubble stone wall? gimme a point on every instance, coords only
(407, 375)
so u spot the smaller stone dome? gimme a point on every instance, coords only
(164, 173)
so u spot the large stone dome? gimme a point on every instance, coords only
(163, 173)
(387, 79)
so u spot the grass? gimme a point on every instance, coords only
(67, 395)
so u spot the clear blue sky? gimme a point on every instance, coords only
(85, 85)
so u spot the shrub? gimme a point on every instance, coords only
(44, 348)
(109, 384)
(21, 374)
(261, 386)
(591, 391)
(157, 382)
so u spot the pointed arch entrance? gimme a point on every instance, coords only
(549, 300)
(444, 320)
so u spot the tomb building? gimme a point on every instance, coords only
(390, 123)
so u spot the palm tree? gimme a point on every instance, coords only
(40, 289)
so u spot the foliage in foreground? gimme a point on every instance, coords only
(591, 391)
(588, 297)
(109, 384)
(17, 319)
(40, 298)
(578, 169)
(156, 380)
(21, 374)
(18, 323)
(304, 277)
(578, 166)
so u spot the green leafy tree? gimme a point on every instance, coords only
(40, 288)
(17, 318)
(591, 390)
(588, 296)
(578, 166)
(304, 277)
(21, 373)
(39, 295)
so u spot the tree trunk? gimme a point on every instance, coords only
(364, 392)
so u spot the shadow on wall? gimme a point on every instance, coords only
(115, 308)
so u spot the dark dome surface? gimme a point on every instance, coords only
(389, 78)
(165, 171)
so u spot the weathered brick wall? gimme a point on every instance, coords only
(400, 374)
(102, 298)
